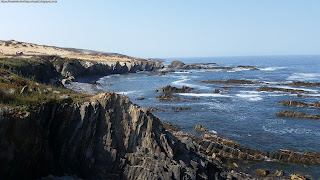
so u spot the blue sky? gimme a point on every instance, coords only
(169, 28)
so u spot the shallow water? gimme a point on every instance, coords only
(241, 113)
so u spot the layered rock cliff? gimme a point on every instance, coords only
(106, 137)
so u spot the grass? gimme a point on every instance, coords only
(11, 85)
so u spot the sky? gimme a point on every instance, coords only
(169, 28)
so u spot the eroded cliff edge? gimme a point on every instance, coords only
(106, 137)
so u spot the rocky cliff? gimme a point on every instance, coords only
(106, 137)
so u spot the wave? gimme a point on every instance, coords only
(289, 130)
(129, 92)
(272, 68)
(203, 95)
(182, 82)
(304, 76)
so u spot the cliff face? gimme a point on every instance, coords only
(106, 137)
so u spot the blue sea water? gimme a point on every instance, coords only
(242, 113)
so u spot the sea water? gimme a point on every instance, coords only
(241, 113)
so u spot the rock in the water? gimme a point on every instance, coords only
(261, 172)
(172, 89)
(279, 173)
(155, 109)
(231, 81)
(298, 177)
(216, 91)
(181, 65)
(266, 88)
(200, 128)
(297, 114)
(294, 103)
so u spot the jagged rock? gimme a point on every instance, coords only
(168, 98)
(265, 88)
(106, 137)
(200, 128)
(298, 177)
(168, 126)
(296, 114)
(231, 81)
(180, 108)
(305, 84)
(294, 103)
(24, 90)
(172, 89)
(155, 109)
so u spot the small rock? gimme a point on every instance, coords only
(140, 99)
(262, 172)
(170, 127)
(10, 91)
(65, 81)
(279, 173)
(216, 91)
(298, 177)
(200, 128)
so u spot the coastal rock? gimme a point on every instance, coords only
(305, 84)
(216, 91)
(297, 114)
(169, 127)
(298, 177)
(172, 89)
(200, 128)
(261, 172)
(265, 88)
(169, 98)
(294, 103)
(231, 81)
(106, 137)
(181, 65)
(156, 109)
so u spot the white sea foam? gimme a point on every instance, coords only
(289, 130)
(129, 92)
(304, 76)
(204, 95)
(213, 131)
(182, 82)
(250, 97)
(272, 68)
(184, 72)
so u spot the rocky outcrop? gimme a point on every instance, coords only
(211, 145)
(294, 103)
(231, 81)
(172, 89)
(297, 115)
(306, 84)
(265, 88)
(200, 128)
(181, 65)
(106, 137)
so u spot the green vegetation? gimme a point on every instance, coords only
(25, 93)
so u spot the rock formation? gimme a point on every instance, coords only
(297, 115)
(231, 81)
(294, 103)
(172, 89)
(106, 137)
(265, 88)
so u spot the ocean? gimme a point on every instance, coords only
(241, 113)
